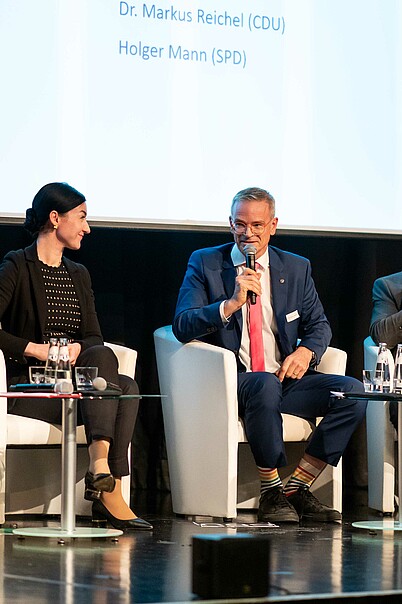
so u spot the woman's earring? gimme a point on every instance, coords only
(55, 226)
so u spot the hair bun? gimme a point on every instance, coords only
(31, 221)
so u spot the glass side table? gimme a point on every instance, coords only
(68, 528)
(389, 524)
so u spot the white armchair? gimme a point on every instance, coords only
(380, 445)
(30, 461)
(212, 470)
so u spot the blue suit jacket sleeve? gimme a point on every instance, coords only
(210, 279)
(201, 294)
(386, 318)
(312, 328)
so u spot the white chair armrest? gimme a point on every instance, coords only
(333, 361)
(127, 358)
(370, 353)
(380, 444)
(201, 379)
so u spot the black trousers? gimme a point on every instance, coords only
(393, 413)
(107, 419)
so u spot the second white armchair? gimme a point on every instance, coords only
(380, 445)
(212, 470)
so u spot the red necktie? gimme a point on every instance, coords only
(256, 343)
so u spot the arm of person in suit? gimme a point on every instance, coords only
(13, 346)
(13, 300)
(386, 318)
(198, 310)
(196, 315)
(314, 330)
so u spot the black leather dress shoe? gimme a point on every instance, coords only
(96, 483)
(101, 516)
(275, 507)
(309, 508)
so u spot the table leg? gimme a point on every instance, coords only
(389, 524)
(68, 476)
(399, 461)
(68, 464)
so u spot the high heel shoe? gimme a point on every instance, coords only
(101, 515)
(96, 483)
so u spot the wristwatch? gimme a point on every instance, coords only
(313, 359)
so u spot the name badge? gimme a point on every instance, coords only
(292, 316)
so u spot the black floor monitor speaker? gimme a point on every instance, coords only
(230, 566)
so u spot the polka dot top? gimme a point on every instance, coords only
(63, 308)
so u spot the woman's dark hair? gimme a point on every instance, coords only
(57, 196)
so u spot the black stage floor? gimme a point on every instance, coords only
(310, 562)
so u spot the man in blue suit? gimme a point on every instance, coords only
(386, 320)
(214, 306)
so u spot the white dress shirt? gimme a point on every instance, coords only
(269, 328)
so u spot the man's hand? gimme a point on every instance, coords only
(249, 280)
(296, 364)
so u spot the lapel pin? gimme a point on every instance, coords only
(282, 280)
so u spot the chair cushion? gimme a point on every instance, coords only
(28, 431)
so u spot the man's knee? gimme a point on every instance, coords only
(261, 389)
(352, 385)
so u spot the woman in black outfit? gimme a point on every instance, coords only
(44, 295)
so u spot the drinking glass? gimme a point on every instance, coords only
(373, 380)
(37, 374)
(84, 377)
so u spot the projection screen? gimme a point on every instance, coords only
(160, 112)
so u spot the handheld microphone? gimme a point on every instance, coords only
(101, 384)
(64, 387)
(250, 252)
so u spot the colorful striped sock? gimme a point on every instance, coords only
(303, 476)
(269, 478)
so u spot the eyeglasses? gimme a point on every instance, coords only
(257, 228)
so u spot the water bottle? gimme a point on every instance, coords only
(398, 370)
(385, 364)
(63, 363)
(51, 361)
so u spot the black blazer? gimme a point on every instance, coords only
(23, 305)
